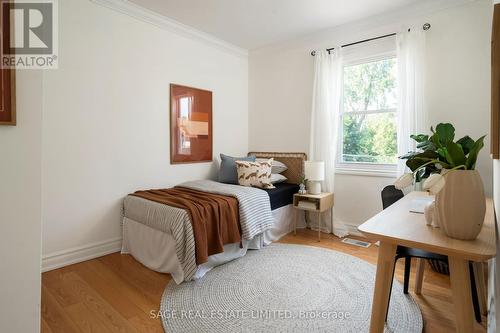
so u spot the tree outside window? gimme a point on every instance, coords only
(369, 113)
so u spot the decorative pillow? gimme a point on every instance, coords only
(256, 174)
(227, 170)
(278, 167)
(277, 178)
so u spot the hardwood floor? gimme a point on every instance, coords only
(116, 293)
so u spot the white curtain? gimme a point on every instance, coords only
(324, 125)
(412, 117)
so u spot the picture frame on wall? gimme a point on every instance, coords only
(7, 77)
(8, 97)
(190, 125)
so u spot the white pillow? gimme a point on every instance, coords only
(277, 178)
(278, 167)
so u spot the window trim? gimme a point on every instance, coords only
(378, 111)
(361, 168)
(367, 169)
(367, 59)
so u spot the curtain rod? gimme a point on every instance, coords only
(426, 27)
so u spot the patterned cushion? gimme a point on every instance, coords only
(256, 174)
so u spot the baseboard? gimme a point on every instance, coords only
(81, 253)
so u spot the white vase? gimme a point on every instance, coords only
(429, 212)
(461, 204)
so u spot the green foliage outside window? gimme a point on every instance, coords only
(370, 137)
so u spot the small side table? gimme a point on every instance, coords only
(322, 202)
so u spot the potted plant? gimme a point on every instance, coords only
(302, 185)
(450, 166)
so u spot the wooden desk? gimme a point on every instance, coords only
(397, 226)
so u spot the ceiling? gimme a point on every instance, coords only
(252, 24)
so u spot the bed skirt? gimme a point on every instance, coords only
(156, 250)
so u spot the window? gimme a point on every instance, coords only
(368, 137)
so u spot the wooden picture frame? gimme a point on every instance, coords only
(190, 125)
(7, 76)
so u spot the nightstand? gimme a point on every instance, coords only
(314, 203)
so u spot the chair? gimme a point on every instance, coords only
(389, 196)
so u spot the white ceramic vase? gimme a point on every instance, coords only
(429, 211)
(461, 204)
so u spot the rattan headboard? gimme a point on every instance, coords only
(294, 162)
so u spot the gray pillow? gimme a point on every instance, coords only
(278, 167)
(277, 178)
(227, 172)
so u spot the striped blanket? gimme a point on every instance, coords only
(254, 209)
(254, 204)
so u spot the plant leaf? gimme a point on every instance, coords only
(408, 155)
(445, 132)
(414, 163)
(466, 142)
(426, 145)
(420, 174)
(455, 154)
(423, 141)
(435, 140)
(442, 153)
(419, 154)
(474, 152)
(420, 159)
(430, 154)
(420, 137)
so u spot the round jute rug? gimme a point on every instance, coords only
(285, 288)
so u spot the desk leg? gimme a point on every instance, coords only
(481, 288)
(420, 276)
(461, 293)
(385, 270)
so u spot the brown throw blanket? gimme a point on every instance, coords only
(215, 218)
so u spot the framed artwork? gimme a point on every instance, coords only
(190, 125)
(7, 78)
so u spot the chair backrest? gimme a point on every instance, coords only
(390, 195)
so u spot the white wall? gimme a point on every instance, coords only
(20, 210)
(280, 89)
(106, 120)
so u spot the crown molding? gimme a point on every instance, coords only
(163, 22)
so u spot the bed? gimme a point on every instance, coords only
(160, 236)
